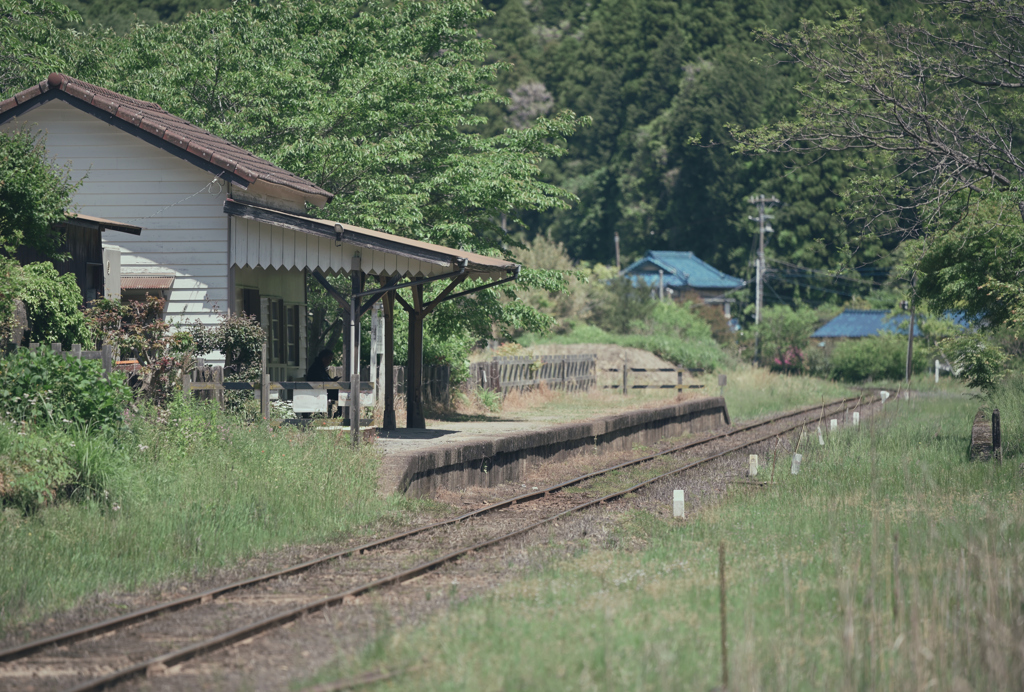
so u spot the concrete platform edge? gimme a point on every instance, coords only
(506, 458)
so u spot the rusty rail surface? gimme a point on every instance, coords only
(247, 631)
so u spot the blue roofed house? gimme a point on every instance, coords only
(857, 324)
(684, 274)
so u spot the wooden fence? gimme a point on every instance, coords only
(104, 354)
(677, 385)
(504, 374)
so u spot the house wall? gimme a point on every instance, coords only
(184, 228)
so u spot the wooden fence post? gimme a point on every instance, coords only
(265, 397)
(107, 356)
(57, 348)
(186, 384)
(997, 436)
(218, 379)
(625, 376)
(33, 347)
(76, 351)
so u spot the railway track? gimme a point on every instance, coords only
(204, 622)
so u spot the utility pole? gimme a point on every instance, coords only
(762, 203)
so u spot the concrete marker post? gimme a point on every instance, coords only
(794, 468)
(833, 425)
(752, 459)
(679, 503)
(856, 418)
(936, 372)
(821, 438)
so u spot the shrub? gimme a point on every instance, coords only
(784, 334)
(137, 329)
(53, 304)
(45, 387)
(31, 469)
(882, 357)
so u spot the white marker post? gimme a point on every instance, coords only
(856, 418)
(821, 438)
(833, 425)
(753, 465)
(883, 395)
(795, 467)
(936, 372)
(678, 504)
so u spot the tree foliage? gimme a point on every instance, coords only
(937, 100)
(34, 194)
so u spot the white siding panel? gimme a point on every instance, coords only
(252, 228)
(338, 255)
(288, 250)
(301, 260)
(276, 252)
(391, 264)
(326, 246)
(265, 238)
(125, 179)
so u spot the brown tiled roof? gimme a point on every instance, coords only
(151, 118)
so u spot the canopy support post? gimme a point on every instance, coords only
(414, 370)
(389, 361)
(354, 340)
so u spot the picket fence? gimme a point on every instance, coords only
(523, 373)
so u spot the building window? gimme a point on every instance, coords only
(293, 334)
(276, 331)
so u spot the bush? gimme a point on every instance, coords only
(31, 469)
(45, 387)
(881, 357)
(41, 464)
(784, 335)
(52, 304)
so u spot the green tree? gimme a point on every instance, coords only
(34, 194)
(936, 101)
(376, 103)
(31, 41)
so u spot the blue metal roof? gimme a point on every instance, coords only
(682, 270)
(854, 324)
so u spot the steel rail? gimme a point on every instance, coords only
(164, 661)
(104, 626)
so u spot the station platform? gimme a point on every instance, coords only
(456, 455)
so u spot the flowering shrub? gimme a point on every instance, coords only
(137, 330)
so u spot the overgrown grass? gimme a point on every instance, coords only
(752, 392)
(186, 491)
(816, 599)
(700, 352)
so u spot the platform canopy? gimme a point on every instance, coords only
(270, 239)
(267, 238)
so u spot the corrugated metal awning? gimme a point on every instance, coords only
(271, 239)
(147, 282)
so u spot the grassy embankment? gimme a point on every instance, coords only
(187, 493)
(890, 562)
